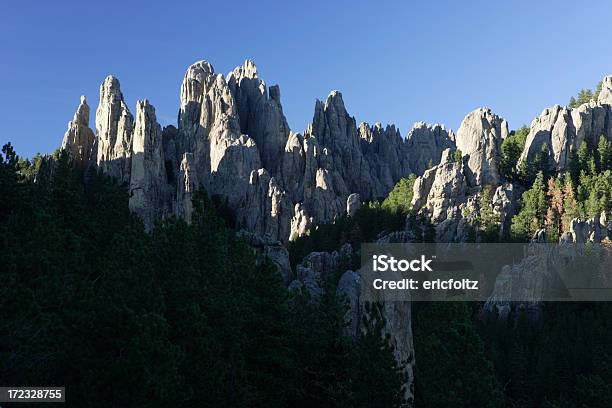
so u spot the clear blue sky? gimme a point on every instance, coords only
(395, 62)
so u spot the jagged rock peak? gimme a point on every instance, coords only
(114, 126)
(81, 116)
(425, 144)
(247, 70)
(206, 103)
(79, 138)
(260, 116)
(605, 95)
(334, 99)
(149, 189)
(198, 77)
(479, 138)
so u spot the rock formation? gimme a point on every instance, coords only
(479, 138)
(114, 127)
(605, 95)
(233, 140)
(425, 144)
(449, 194)
(79, 138)
(150, 194)
(559, 131)
(353, 204)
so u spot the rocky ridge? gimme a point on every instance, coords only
(234, 140)
(559, 131)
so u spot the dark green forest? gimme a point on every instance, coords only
(184, 316)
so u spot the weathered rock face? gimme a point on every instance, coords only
(79, 138)
(114, 126)
(479, 138)
(439, 194)
(444, 196)
(559, 131)
(505, 205)
(594, 230)
(261, 114)
(387, 157)
(425, 144)
(353, 204)
(150, 192)
(605, 95)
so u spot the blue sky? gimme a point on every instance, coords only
(395, 62)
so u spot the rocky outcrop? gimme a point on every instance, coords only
(79, 138)
(440, 194)
(318, 267)
(595, 230)
(505, 205)
(605, 94)
(114, 127)
(387, 157)
(150, 192)
(425, 144)
(233, 140)
(443, 195)
(353, 204)
(479, 138)
(559, 131)
(260, 114)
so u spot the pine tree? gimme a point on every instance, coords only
(458, 156)
(533, 210)
(511, 149)
(487, 220)
(604, 150)
(554, 214)
(399, 199)
(377, 379)
(570, 206)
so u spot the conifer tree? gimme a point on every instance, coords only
(533, 210)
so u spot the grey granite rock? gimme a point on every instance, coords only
(479, 138)
(79, 138)
(115, 127)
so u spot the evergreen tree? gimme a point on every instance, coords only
(533, 211)
(571, 209)
(511, 149)
(377, 378)
(399, 199)
(458, 156)
(555, 212)
(487, 220)
(444, 339)
(604, 150)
